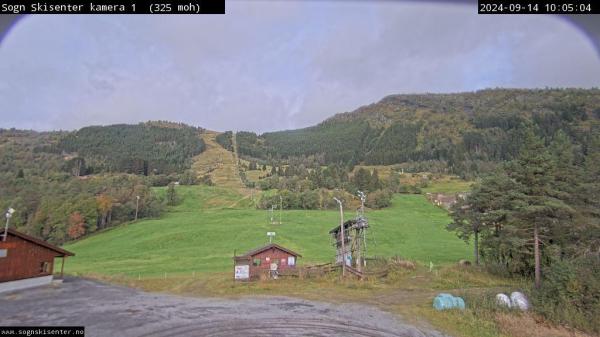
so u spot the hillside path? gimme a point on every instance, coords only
(220, 164)
(109, 310)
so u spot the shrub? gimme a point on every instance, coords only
(570, 293)
(206, 180)
(379, 199)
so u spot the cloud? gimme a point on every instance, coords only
(273, 65)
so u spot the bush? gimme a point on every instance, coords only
(206, 180)
(160, 180)
(379, 199)
(409, 189)
(188, 178)
(570, 293)
(172, 195)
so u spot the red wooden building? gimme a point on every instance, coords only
(269, 260)
(26, 261)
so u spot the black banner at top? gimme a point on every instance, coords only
(538, 7)
(112, 6)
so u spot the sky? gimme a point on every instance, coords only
(270, 65)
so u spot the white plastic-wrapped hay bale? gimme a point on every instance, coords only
(503, 300)
(518, 300)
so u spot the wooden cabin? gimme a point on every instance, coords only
(26, 261)
(267, 261)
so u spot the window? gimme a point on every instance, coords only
(256, 262)
(44, 267)
(3, 252)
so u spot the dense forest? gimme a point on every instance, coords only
(157, 148)
(65, 185)
(465, 134)
(538, 216)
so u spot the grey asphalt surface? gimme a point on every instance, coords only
(109, 310)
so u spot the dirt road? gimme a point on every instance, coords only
(109, 310)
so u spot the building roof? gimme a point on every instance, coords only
(39, 242)
(267, 247)
(357, 223)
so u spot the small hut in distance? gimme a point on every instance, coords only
(266, 261)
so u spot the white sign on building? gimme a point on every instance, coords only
(242, 272)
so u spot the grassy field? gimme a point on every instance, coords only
(448, 185)
(188, 252)
(202, 233)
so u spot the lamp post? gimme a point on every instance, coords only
(343, 236)
(9, 214)
(363, 198)
(137, 205)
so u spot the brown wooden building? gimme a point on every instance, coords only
(27, 261)
(269, 260)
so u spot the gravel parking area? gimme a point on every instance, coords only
(109, 310)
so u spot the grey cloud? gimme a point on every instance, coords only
(273, 65)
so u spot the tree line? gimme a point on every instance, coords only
(465, 134)
(57, 199)
(144, 149)
(311, 188)
(538, 216)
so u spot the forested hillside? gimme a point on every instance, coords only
(459, 133)
(64, 185)
(156, 148)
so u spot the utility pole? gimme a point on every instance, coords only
(137, 206)
(280, 208)
(343, 236)
(361, 258)
(9, 214)
(272, 209)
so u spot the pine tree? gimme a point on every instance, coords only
(375, 184)
(393, 182)
(171, 195)
(537, 209)
(483, 210)
(587, 240)
(362, 179)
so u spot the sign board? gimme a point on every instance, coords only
(270, 233)
(242, 272)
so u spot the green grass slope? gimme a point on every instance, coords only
(201, 234)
